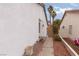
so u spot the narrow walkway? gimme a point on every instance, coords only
(60, 49)
(47, 48)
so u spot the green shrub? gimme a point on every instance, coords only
(56, 37)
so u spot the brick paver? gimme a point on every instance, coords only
(60, 49)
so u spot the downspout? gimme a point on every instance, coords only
(45, 14)
(43, 6)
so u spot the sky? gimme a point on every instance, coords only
(60, 8)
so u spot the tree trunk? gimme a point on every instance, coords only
(52, 24)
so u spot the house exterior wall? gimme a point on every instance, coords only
(70, 19)
(19, 27)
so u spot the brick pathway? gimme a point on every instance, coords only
(47, 48)
(60, 49)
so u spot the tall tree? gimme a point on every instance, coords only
(52, 12)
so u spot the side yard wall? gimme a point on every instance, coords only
(19, 27)
(70, 19)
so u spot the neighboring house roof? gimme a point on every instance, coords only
(43, 5)
(69, 11)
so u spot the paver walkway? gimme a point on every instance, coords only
(47, 48)
(60, 49)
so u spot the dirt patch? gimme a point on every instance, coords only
(38, 47)
(60, 49)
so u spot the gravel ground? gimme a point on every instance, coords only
(59, 49)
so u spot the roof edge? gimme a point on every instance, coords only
(62, 18)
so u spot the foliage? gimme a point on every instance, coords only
(56, 25)
(56, 37)
(52, 11)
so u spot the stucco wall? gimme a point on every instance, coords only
(70, 19)
(19, 27)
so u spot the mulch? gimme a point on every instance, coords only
(60, 49)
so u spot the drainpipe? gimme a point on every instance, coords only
(45, 14)
(43, 5)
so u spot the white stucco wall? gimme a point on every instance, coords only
(19, 27)
(70, 19)
(43, 29)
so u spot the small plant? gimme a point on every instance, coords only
(76, 41)
(56, 37)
